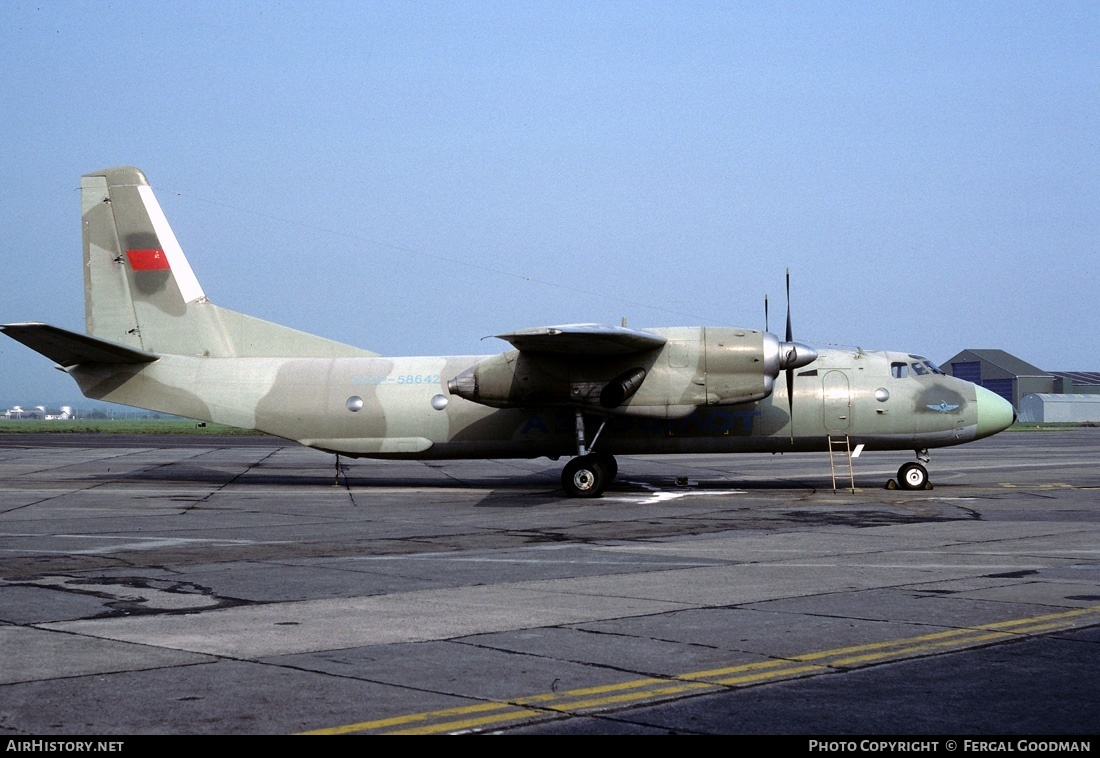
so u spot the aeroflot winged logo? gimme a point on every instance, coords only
(148, 260)
(941, 407)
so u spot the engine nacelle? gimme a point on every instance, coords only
(742, 365)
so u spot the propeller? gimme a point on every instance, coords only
(792, 354)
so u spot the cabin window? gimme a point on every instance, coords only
(899, 370)
(920, 369)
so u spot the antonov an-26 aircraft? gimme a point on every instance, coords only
(583, 391)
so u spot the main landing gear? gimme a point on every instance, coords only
(589, 474)
(913, 475)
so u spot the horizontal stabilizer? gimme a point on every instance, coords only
(70, 348)
(583, 339)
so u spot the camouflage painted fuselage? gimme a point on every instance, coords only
(316, 401)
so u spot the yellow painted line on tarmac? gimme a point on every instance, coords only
(638, 692)
(1041, 486)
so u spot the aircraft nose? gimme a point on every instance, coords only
(995, 414)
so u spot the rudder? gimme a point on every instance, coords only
(135, 273)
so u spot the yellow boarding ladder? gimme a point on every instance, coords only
(841, 446)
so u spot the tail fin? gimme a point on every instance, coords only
(140, 291)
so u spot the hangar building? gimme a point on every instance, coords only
(1042, 408)
(1037, 395)
(1000, 372)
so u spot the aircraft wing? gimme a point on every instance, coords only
(583, 339)
(70, 348)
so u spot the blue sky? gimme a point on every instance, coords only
(411, 177)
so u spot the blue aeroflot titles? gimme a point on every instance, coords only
(586, 392)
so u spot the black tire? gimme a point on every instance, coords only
(610, 467)
(912, 476)
(584, 476)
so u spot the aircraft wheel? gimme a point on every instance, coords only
(610, 466)
(912, 476)
(584, 476)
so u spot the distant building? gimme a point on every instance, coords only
(17, 412)
(1037, 395)
(1043, 408)
(1076, 382)
(1001, 372)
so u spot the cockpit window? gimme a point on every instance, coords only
(919, 367)
(927, 364)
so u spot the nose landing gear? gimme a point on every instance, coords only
(913, 475)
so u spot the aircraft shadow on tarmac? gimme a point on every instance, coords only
(754, 502)
(545, 482)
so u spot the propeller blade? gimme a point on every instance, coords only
(791, 355)
(790, 335)
(790, 397)
(790, 369)
(766, 329)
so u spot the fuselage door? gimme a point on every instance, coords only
(837, 401)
